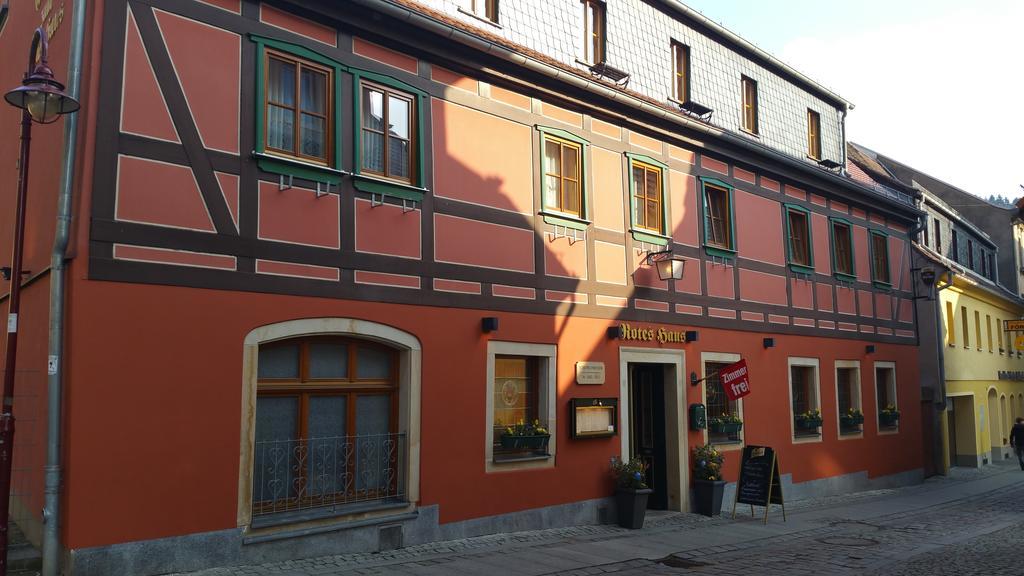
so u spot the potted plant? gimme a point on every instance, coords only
(889, 416)
(708, 486)
(809, 420)
(852, 418)
(726, 424)
(526, 436)
(631, 492)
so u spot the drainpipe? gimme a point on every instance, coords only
(51, 504)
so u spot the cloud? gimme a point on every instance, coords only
(943, 94)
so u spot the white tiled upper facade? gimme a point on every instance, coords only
(639, 36)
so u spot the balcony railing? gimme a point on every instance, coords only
(328, 475)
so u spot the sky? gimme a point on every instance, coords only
(936, 84)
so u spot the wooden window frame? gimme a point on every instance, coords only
(712, 381)
(749, 111)
(305, 386)
(950, 325)
(813, 366)
(807, 265)
(712, 246)
(954, 246)
(891, 388)
(856, 397)
(965, 328)
(880, 280)
(977, 329)
(680, 72)
(833, 235)
(329, 100)
(387, 92)
(533, 411)
(938, 236)
(563, 144)
(970, 255)
(595, 39)
(485, 9)
(813, 134)
(645, 198)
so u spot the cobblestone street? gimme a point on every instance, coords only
(968, 523)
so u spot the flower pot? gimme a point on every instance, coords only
(729, 428)
(851, 421)
(888, 420)
(537, 442)
(631, 505)
(707, 496)
(808, 423)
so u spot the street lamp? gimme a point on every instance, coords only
(42, 99)
(669, 266)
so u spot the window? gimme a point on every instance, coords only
(718, 404)
(885, 396)
(680, 72)
(298, 107)
(938, 236)
(326, 425)
(848, 397)
(798, 230)
(988, 331)
(520, 391)
(965, 327)
(647, 196)
(388, 120)
(984, 264)
(999, 334)
(563, 176)
(805, 401)
(977, 329)
(880, 258)
(515, 398)
(814, 135)
(842, 249)
(749, 104)
(719, 237)
(924, 232)
(487, 9)
(991, 269)
(593, 32)
(950, 329)
(970, 254)
(954, 247)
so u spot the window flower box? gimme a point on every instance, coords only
(852, 419)
(537, 442)
(810, 420)
(727, 424)
(889, 417)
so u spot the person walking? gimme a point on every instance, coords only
(1017, 440)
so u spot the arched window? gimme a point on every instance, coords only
(326, 425)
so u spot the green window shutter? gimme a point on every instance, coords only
(566, 220)
(374, 184)
(664, 237)
(284, 166)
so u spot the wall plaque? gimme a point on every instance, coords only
(590, 372)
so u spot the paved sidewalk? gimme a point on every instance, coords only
(969, 520)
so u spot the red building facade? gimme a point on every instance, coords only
(325, 256)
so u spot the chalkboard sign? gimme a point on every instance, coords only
(759, 483)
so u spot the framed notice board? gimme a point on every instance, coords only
(594, 417)
(759, 483)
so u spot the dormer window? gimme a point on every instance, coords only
(680, 72)
(749, 104)
(814, 136)
(593, 32)
(486, 9)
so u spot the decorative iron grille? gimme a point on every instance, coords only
(333, 472)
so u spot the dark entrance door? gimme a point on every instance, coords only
(647, 427)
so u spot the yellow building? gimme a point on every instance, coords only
(984, 370)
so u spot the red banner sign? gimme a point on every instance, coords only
(735, 379)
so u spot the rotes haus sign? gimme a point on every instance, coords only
(735, 379)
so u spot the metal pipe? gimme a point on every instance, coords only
(446, 30)
(51, 504)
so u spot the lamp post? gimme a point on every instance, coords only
(42, 99)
